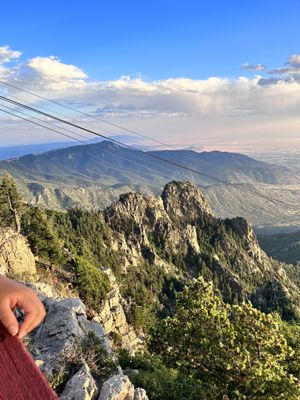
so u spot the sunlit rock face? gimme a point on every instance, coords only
(119, 387)
(179, 228)
(113, 319)
(15, 254)
(65, 322)
(81, 386)
(175, 234)
(184, 202)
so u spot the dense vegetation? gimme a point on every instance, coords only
(201, 343)
(210, 350)
(284, 246)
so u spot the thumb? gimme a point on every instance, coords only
(8, 319)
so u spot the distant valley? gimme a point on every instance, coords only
(94, 175)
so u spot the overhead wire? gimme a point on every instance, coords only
(149, 154)
(89, 115)
(264, 212)
(121, 127)
(48, 123)
(59, 113)
(76, 139)
(40, 125)
(89, 139)
(54, 130)
(118, 156)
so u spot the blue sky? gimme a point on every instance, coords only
(216, 74)
(158, 39)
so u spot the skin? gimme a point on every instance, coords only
(13, 294)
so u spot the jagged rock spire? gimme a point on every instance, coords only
(183, 201)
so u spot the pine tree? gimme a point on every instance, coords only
(236, 350)
(11, 203)
(41, 236)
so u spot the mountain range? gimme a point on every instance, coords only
(94, 175)
(107, 162)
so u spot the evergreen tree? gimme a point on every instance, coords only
(236, 351)
(44, 242)
(11, 203)
(93, 284)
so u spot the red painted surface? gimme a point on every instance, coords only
(20, 378)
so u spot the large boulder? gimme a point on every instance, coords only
(15, 255)
(140, 394)
(118, 387)
(81, 386)
(66, 321)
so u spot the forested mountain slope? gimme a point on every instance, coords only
(170, 237)
(165, 274)
(108, 163)
(284, 247)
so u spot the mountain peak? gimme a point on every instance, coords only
(183, 200)
(107, 144)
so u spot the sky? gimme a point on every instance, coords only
(212, 74)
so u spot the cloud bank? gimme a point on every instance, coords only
(291, 69)
(179, 110)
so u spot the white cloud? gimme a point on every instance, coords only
(2, 72)
(210, 97)
(253, 67)
(295, 60)
(52, 68)
(6, 54)
(175, 106)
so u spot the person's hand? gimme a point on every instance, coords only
(13, 294)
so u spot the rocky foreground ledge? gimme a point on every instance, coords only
(66, 324)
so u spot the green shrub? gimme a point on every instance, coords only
(96, 356)
(160, 382)
(89, 350)
(238, 350)
(93, 284)
(43, 240)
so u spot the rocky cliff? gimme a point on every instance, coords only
(15, 254)
(113, 319)
(55, 344)
(70, 177)
(178, 233)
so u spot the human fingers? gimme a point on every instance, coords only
(34, 313)
(8, 318)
